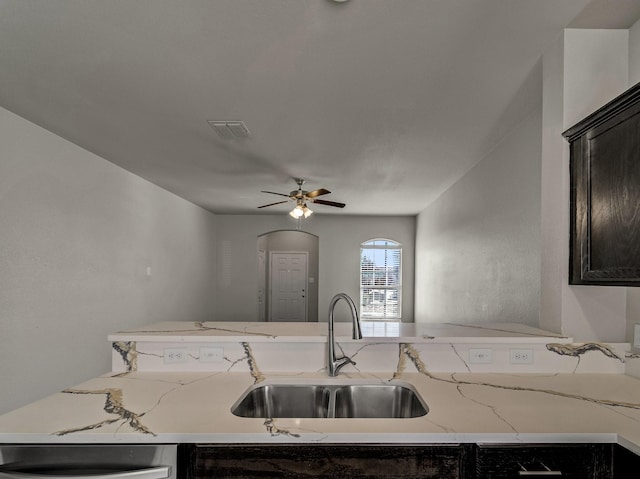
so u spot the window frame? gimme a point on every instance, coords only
(387, 244)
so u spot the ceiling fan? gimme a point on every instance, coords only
(301, 197)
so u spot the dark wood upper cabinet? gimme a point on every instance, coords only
(605, 194)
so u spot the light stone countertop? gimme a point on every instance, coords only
(187, 407)
(229, 331)
(137, 405)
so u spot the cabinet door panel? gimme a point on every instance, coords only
(315, 461)
(626, 464)
(615, 197)
(605, 194)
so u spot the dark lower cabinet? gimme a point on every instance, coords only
(579, 461)
(626, 464)
(447, 461)
(335, 461)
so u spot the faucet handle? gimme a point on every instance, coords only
(340, 363)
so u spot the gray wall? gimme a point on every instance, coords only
(339, 237)
(478, 245)
(77, 236)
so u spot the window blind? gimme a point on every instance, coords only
(380, 279)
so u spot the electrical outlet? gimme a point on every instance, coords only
(481, 356)
(211, 355)
(175, 355)
(521, 356)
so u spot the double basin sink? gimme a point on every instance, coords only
(331, 400)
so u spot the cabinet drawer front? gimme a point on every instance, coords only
(584, 461)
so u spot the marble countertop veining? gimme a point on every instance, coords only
(229, 331)
(167, 407)
(138, 405)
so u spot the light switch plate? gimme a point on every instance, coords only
(636, 336)
(211, 355)
(480, 356)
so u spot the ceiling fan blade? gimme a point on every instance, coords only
(271, 204)
(329, 203)
(274, 193)
(313, 194)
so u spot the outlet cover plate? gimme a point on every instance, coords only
(521, 356)
(175, 355)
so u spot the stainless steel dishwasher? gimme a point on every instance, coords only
(88, 461)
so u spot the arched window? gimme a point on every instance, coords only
(381, 279)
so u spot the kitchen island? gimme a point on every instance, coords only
(177, 382)
(468, 402)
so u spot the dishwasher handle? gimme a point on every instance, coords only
(160, 472)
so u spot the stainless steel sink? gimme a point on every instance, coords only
(378, 400)
(284, 400)
(331, 400)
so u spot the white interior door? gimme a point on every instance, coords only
(288, 286)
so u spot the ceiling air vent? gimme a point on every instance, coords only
(230, 130)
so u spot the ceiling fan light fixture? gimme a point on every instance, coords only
(300, 210)
(297, 212)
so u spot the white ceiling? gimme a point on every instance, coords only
(384, 102)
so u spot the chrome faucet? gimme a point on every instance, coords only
(335, 364)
